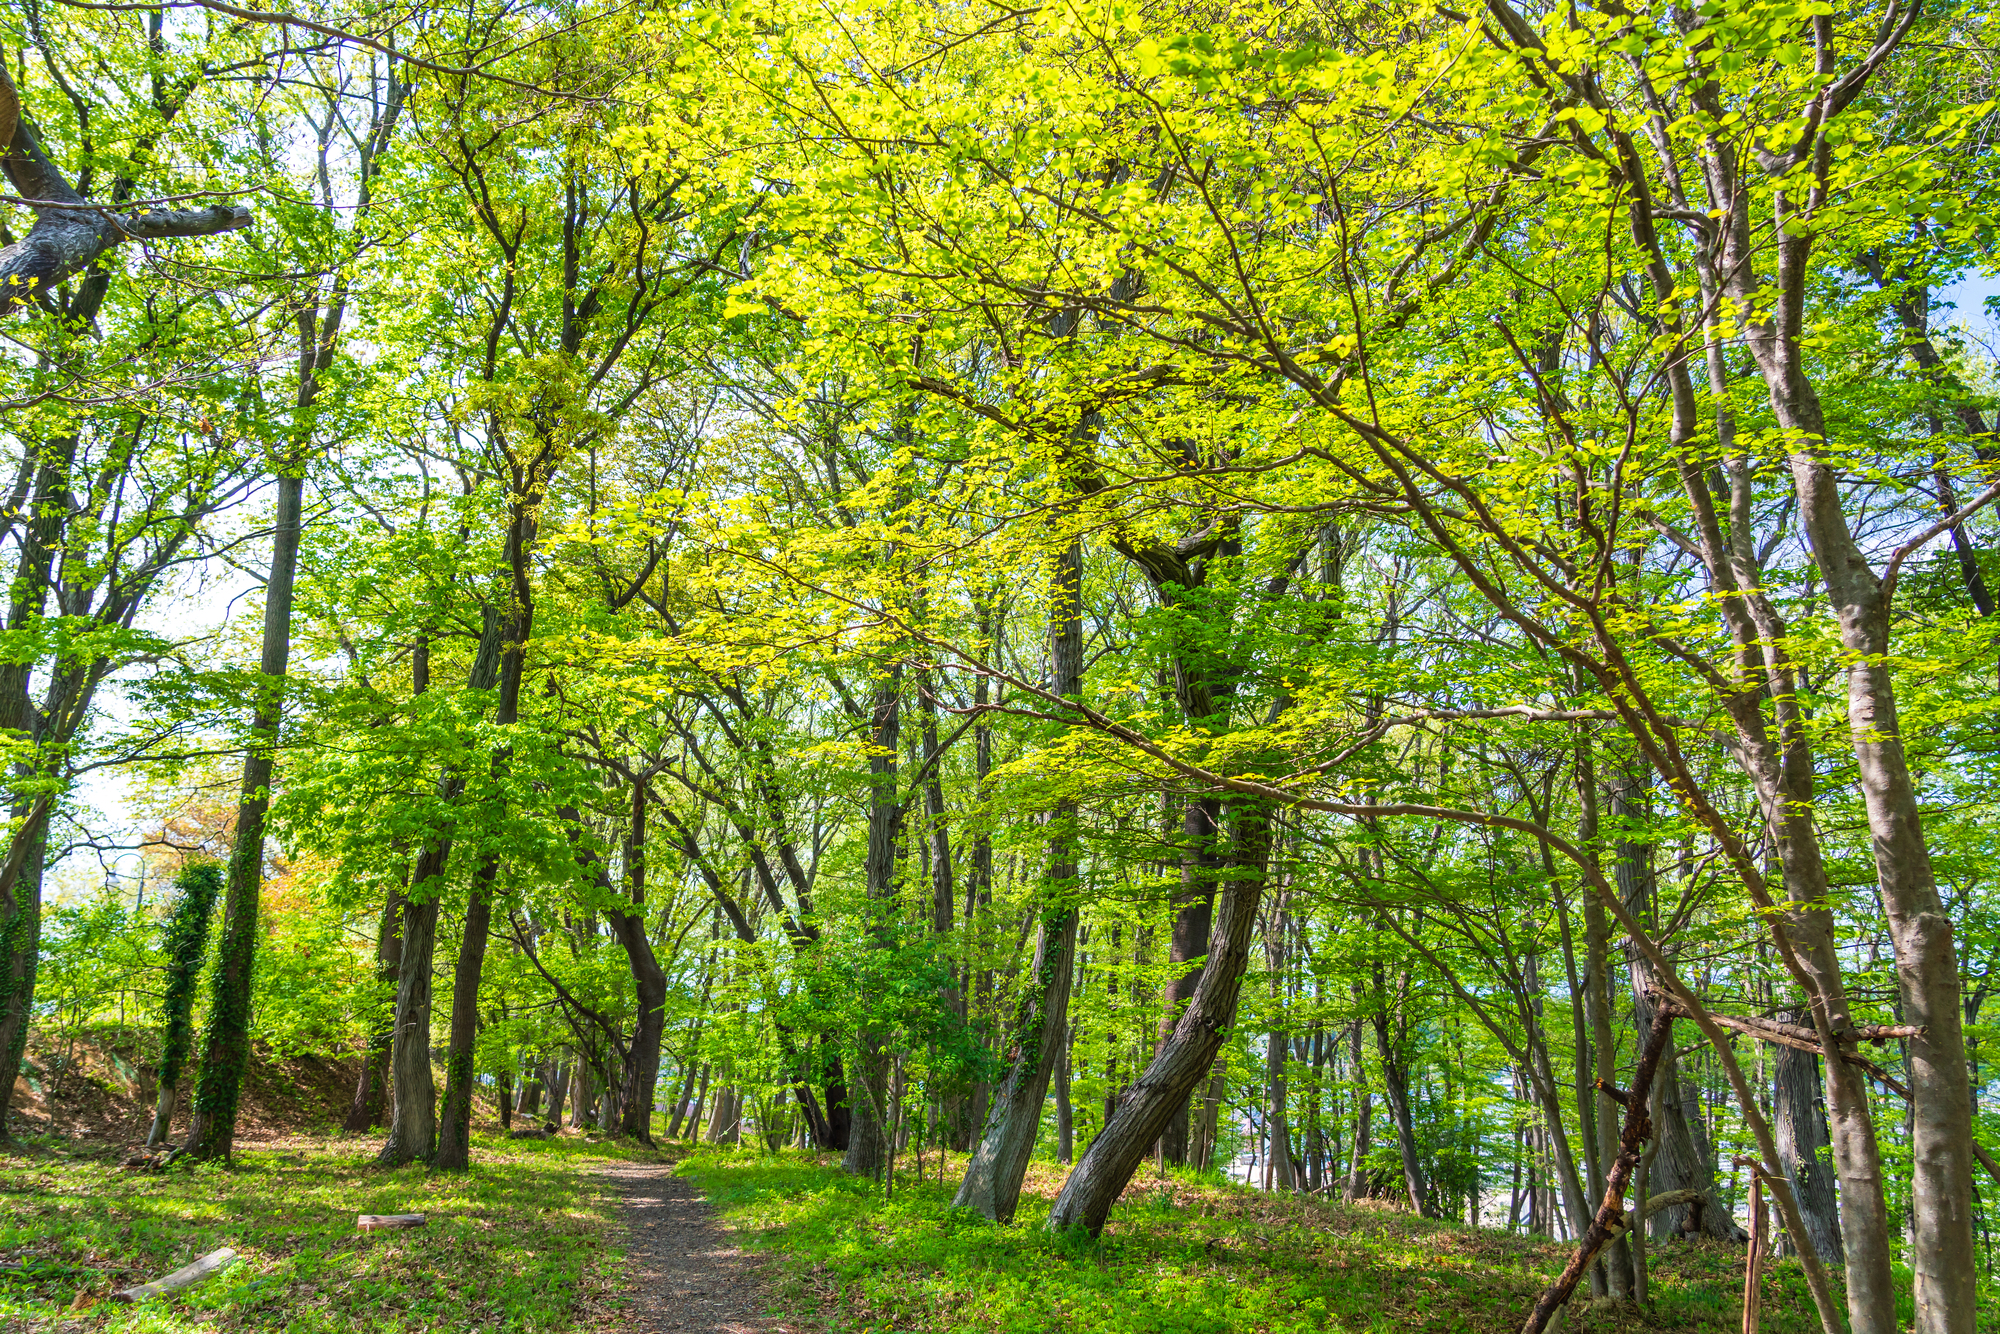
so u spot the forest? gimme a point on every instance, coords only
(1142, 615)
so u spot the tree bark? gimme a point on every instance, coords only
(226, 1044)
(1189, 943)
(1182, 1062)
(1396, 1092)
(1803, 1142)
(992, 1183)
(642, 1060)
(371, 1087)
(186, 944)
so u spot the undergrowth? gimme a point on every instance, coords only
(1181, 1256)
(509, 1246)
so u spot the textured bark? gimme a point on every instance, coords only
(867, 1148)
(1679, 1162)
(70, 234)
(1189, 943)
(413, 1125)
(993, 1176)
(371, 1086)
(1364, 1112)
(1184, 1059)
(1610, 1217)
(1803, 1142)
(226, 1043)
(642, 1060)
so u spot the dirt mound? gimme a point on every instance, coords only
(101, 1086)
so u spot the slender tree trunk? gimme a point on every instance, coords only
(1065, 1114)
(993, 1177)
(370, 1088)
(226, 1044)
(867, 1147)
(1396, 1092)
(642, 1061)
(1364, 1108)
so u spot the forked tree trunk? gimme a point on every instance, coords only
(1184, 1059)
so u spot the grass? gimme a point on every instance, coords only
(1177, 1257)
(519, 1243)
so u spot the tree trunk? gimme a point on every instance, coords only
(226, 1044)
(1678, 1161)
(1182, 1062)
(992, 1182)
(642, 1060)
(413, 1122)
(186, 944)
(1396, 1092)
(993, 1177)
(1364, 1109)
(867, 1149)
(1192, 918)
(1804, 1145)
(371, 1086)
(1065, 1113)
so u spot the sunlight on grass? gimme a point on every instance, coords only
(1178, 1257)
(511, 1245)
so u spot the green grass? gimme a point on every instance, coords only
(1177, 1257)
(515, 1244)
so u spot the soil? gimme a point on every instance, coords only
(684, 1273)
(101, 1087)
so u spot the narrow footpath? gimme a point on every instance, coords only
(683, 1273)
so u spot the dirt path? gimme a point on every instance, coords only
(683, 1271)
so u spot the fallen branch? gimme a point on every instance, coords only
(1610, 1220)
(207, 1267)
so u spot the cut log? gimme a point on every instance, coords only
(207, 1267)
(382, 1222)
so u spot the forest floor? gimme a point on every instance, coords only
(526, 1241)
(1178, 1256)
(683, 1271)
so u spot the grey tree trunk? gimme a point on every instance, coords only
(1364, 1111)
(413, 1124)
(1192, 917)
(371, 1086)
(992, 1182)
(642, 1061)
(867, 1143)
(1804, 1144)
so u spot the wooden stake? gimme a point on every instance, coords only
(1753, 1289)
(207, 1267)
